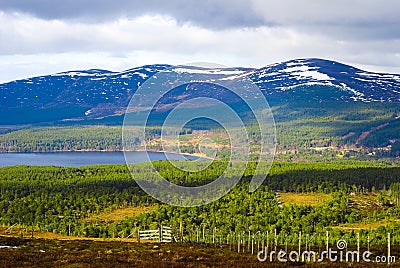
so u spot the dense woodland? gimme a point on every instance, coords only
(59, 200)
(299, 127)
(62, 139)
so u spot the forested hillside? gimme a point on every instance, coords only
(61, 199)
(300, 129)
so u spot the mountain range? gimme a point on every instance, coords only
(97, 94)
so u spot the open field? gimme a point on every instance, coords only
(118, 214)
(313, 199)
(27, 232)
(370, 225)
(365, 202)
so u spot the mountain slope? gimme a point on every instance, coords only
(90, 94)
(100, 92)
(355, 84)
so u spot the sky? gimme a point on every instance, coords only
(47, 36)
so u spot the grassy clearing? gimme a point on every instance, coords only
(313, 199)
(38, 234)
(118, 214)
(371, 225)
(365, 203)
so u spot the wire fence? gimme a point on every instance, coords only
(271, 241)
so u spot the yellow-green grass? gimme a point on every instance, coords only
(27, 232)
(313, 199)
(370, 225)
(118, 214)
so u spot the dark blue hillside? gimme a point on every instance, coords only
(97, 94)
(75, 94)
(77, 88)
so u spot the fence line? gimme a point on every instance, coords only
(254, 242)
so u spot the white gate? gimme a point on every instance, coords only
(163, 234)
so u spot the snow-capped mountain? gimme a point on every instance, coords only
(359, 85)
(101, 93)
(83, 88)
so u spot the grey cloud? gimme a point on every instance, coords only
(354, 32)
(327, 12)
(259, 31)
(340, 19)
(214, 14)
(365, 19)
(223, 13)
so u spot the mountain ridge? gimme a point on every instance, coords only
(97, 93)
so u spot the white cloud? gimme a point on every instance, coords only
(335, 12)
(36, 45)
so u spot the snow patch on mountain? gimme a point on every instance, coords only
(362, 85)
(212, 71)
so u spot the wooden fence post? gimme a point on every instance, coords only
(389, 257)
(252, 245)
(248, 242)
(262, 241)
(181, 231)
(213, 239)
(327, 241)
(238, 243)
(299, 243)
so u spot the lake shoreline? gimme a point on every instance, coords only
(86, 158)
(106, 151)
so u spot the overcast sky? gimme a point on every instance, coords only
(48, 36)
